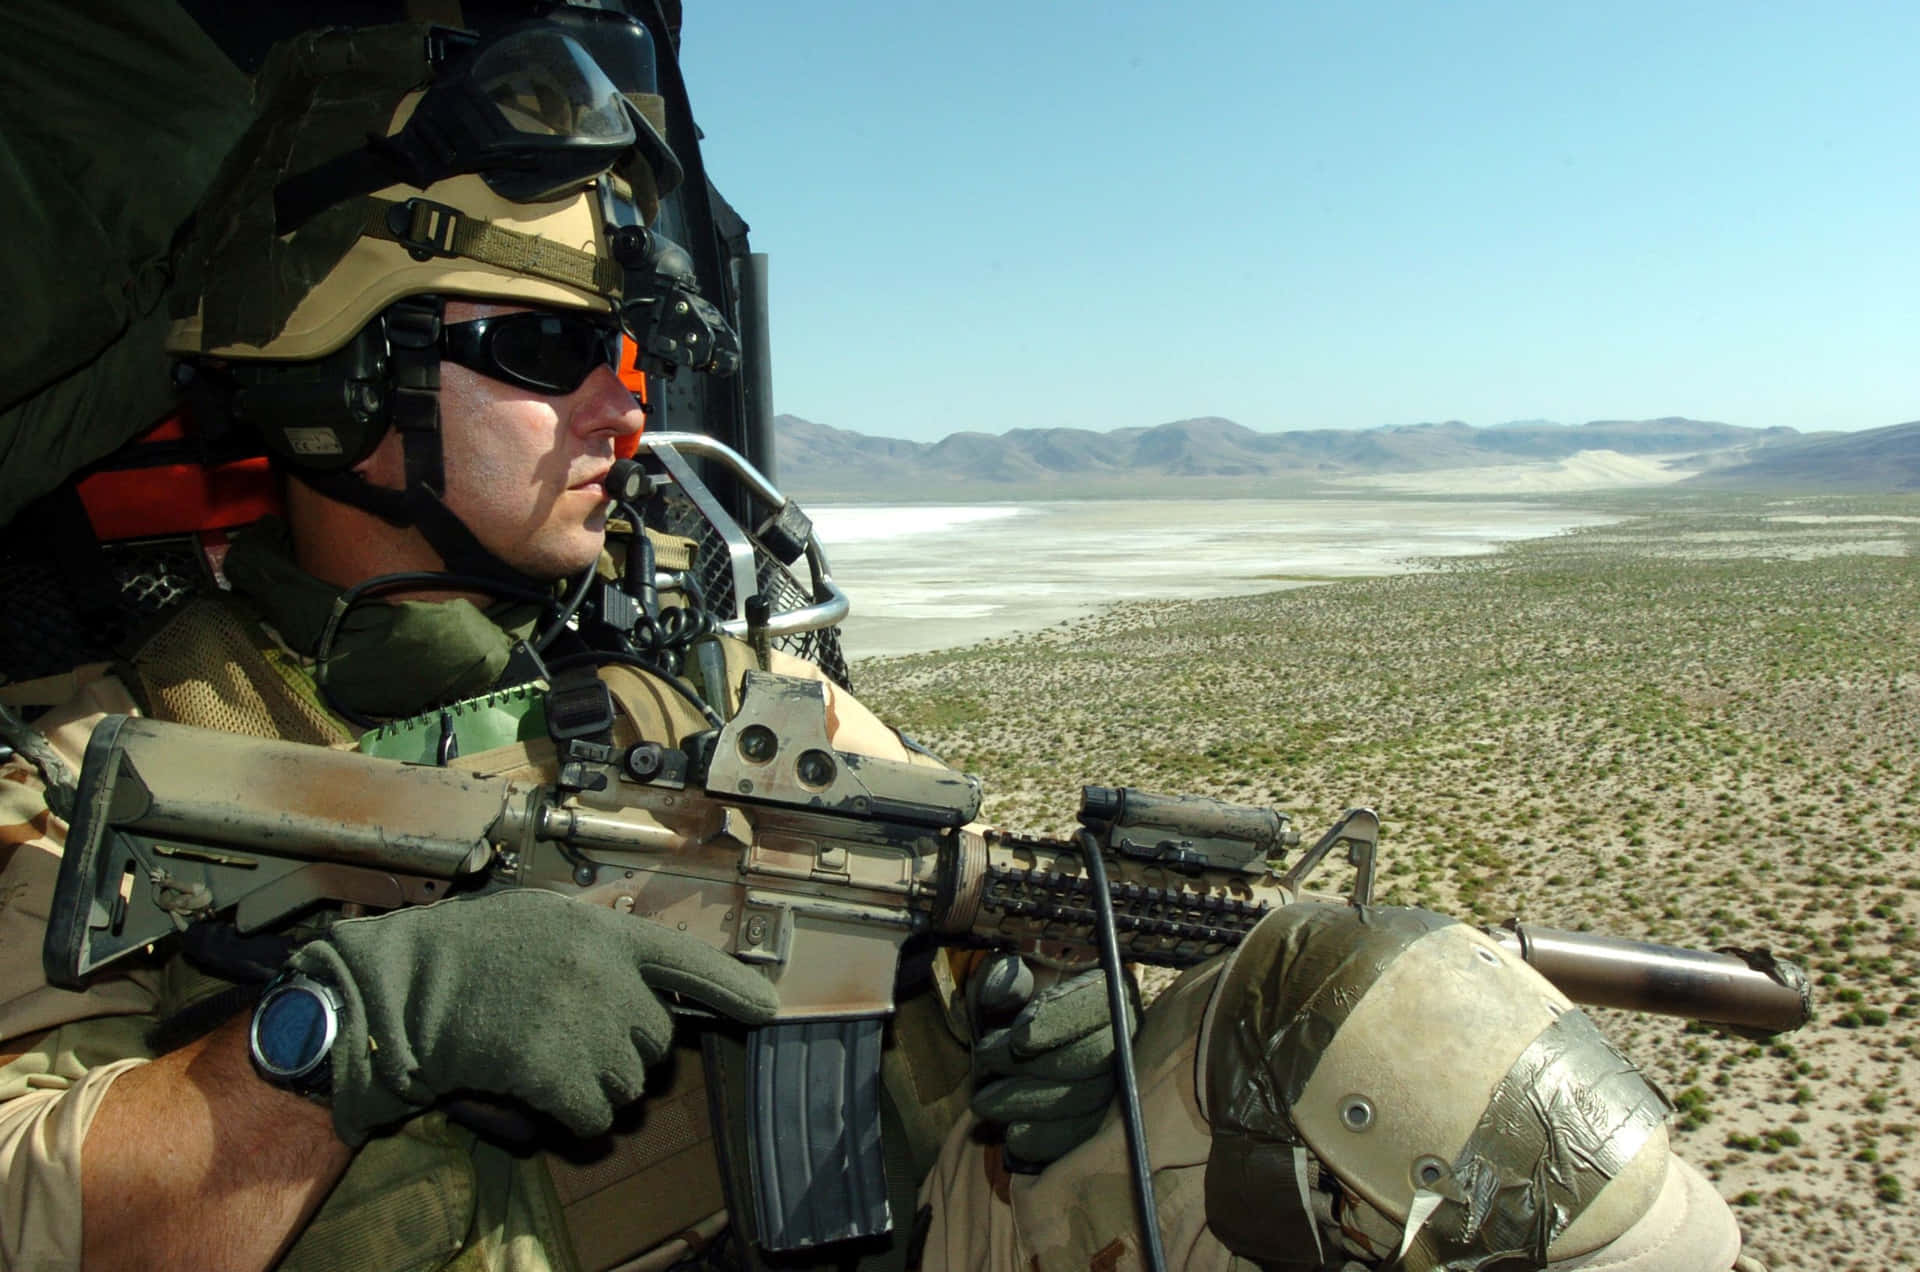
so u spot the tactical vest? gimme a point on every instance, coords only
(434, 1195)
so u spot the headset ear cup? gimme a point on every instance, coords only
(321, 416)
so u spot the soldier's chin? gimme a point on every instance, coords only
(562, 556)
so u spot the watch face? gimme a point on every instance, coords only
(292, 1031)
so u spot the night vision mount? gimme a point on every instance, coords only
(662, 308)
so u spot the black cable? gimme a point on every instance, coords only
(677, 627)
(568, 610)
(601, 657)
(1123, 1052)
(621, 508)
(663, 632)
(666, 635)
(344, 603)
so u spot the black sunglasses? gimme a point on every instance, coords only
(547, 352)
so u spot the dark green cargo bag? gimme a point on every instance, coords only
(113, 116)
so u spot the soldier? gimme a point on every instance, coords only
(422, 328)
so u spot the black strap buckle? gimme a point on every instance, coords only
(413, 329)
(580, 717)
(424, 228)
(413, 324)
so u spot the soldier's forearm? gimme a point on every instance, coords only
(193, 1161)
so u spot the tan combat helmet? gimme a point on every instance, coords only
(1393, 1088)
(509, 168)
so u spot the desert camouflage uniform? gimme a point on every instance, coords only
(431, 1195)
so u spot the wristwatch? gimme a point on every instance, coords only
(293, 1030)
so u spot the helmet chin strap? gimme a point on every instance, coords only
(413, 352)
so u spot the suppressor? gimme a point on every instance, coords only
(1749, 990)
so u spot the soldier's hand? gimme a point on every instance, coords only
(521, 994)
(1045, 1071)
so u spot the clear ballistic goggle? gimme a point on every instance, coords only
(537, 109)
(623, 49)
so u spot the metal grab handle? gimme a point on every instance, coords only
(704, 447)
(830, 604)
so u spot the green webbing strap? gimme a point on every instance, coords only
(428, 229)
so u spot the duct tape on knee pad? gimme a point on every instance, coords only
(1390, 1085)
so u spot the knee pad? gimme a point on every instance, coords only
(1392, 1087)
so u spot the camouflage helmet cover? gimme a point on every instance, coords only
(247, 291)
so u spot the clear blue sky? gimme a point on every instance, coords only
(1305, 215)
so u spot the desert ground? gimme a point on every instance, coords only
(1698, 725)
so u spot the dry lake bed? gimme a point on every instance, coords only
(933, 576)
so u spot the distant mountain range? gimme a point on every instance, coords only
(1872, 461)
(816, 459)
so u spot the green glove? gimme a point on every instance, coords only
(522, 994)
(1046, 1075)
